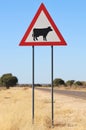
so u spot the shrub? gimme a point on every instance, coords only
(38, 85)
(70, 82)
(58, 82)
(78, 83)
(0, 82)
(8, 80)
(84, 83)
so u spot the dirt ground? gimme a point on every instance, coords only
(16, 111)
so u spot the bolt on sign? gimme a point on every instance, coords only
(42, 31)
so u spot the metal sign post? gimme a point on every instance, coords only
(52, 105)
(32, 84)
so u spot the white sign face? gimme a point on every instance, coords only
(43, 23)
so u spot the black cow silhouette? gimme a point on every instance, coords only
(41, 32)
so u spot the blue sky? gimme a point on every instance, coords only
(69, 61)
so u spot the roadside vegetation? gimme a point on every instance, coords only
(15, 106)
(58, 82)
(8, 80)
(16, 111)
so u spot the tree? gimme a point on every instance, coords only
(70, 82)
(78, 83)
(0, 82)
(8, 80)
(58, 82)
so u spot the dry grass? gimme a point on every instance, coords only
(72, 88)
(15, 111)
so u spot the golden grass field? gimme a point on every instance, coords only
(16, 110)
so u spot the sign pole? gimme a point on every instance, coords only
(32, 84)
(52, 105)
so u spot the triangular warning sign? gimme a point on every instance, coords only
(42, 31)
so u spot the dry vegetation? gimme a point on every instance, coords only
(71, 88)
(15, 111)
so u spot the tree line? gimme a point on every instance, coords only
(59, 82)
(9, 80)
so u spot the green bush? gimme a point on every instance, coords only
(0, 82)
(78, 83)
(8, 80)
(58, 81)
(70, 82)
